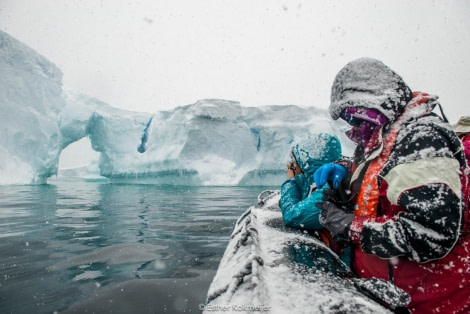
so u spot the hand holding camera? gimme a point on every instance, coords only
(293, 169)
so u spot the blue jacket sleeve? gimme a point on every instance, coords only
(298, 212)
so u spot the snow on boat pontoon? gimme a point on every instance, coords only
(268, 267)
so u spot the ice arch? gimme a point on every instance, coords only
(79, 160)
(210, 142)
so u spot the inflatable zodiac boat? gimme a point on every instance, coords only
(268, 267)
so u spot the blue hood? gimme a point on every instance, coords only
(315, 151)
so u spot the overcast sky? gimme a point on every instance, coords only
(152, 55)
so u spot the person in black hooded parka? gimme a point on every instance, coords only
(408, 223)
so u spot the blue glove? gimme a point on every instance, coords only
(329, 172)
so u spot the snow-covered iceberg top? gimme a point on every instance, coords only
(210, 142)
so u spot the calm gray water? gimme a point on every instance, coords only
(89, 247)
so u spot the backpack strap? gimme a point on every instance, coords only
(442, 113)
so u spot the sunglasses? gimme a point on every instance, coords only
(294, 165)
(350, 120)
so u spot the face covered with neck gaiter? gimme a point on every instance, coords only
(365, 122)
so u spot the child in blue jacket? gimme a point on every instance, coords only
(299, 193)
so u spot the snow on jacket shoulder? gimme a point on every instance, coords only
(420, 210)
(299, 209)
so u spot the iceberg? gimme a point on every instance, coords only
(210, 142)
(30, 98)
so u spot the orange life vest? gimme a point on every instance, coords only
(368, 195)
